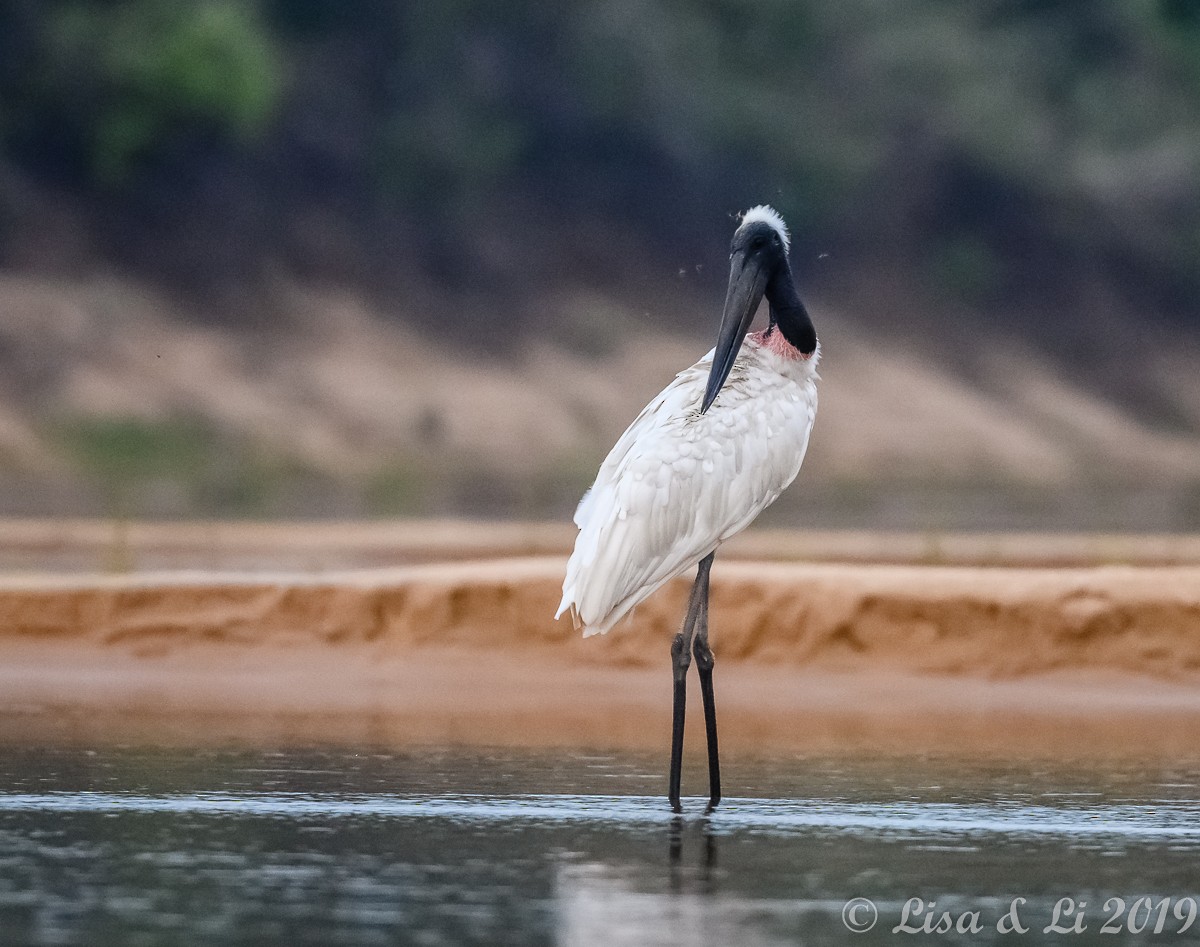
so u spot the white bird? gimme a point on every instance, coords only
(713, 450)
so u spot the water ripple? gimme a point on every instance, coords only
(1179, 822)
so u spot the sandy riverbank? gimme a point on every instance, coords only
(1090, 660)
(69, 545)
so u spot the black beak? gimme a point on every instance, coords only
(747, 283)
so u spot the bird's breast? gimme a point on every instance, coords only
(768, 370)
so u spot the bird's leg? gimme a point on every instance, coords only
(704, 665)
(681, 660)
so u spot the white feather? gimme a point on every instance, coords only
(679, 483)
(769, 216)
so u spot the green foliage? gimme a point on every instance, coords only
(966, 267)
(843, 113)
(127, 457)
(124, 450)
(400, 488)
(316, 18)
(157, 68)
(449, 156)
(1181, 14)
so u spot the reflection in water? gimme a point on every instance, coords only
(675, 854)
(675, 848)
(596, 904)
(117, 847)
(599, 905)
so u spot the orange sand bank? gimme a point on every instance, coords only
(850, 657)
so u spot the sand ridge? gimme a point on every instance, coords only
(944, 619)
(812, 657)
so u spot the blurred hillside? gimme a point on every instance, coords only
(301, 257)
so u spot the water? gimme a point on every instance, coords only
(128, 846)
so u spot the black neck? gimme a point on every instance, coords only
(788, 312)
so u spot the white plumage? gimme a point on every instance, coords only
(679, 483)
(768, 215)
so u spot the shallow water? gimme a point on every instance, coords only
(126, 846)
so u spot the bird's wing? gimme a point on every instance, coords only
(678, 483)
(673, 399)
(632, 517)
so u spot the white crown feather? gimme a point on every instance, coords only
(768, 215)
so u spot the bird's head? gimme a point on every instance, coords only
(757, 255)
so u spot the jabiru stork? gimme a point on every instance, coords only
(713, 450)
